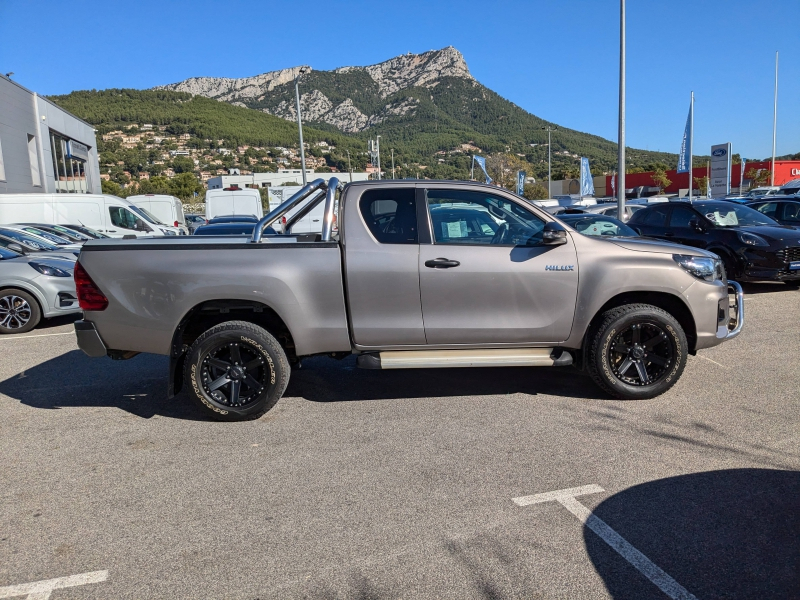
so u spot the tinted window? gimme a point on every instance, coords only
(655, 216)
(123, 218)
(28, 240)
(599, 225)
(791, 212)
(478, 218)
(5, 253)
(681, 217)
(769, 209)
(726, 214)
(390, 215)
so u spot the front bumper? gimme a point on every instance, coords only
(89, 340)
(728, 327)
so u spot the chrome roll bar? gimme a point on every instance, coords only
(276, 214)
(330, 199)
(313, 200)
(736, 290)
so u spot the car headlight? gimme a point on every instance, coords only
(707, 269)
(168, 232)
(751, 239)
(49, 270)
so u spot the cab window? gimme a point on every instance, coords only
(769, 208)
(681, 217)
(478, 218)
(390, 215)
(120, 217)
(656, 216)
(791, 212)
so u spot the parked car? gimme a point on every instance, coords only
(598, 225)
(612, 210)
(233, 201)
(785, 212)
(32, 288)
(73, 235)
(114, 216)
(235, 228)
(234, 219)
(58, 240)
(92, 233)
(194, 221)
(496, 279)
(27, 243)
(752, 246)
(167, 209)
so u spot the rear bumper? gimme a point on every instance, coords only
(89, 340)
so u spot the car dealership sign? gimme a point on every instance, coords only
(720, 176)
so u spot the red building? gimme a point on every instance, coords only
(785, 170)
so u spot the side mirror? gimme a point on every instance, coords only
(16, 248)
(697, 226)
(554, 234)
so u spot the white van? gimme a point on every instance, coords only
(233, 201)
(116, 217)
(167, 209)
(311, 223)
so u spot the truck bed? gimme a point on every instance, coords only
(152, 284)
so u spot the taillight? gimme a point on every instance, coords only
(89, 295)
(176, 223)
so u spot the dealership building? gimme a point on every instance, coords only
(43, 148)
(281, 178)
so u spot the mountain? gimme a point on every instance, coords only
(426, 102)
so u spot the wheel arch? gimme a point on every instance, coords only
(671, 303)
(207, 314)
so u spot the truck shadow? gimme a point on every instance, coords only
(139, 385)
(326, 380)
(721, 534)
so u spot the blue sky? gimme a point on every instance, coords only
(558, 59)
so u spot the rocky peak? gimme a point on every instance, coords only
(228, 90)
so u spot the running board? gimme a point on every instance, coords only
(437, 359)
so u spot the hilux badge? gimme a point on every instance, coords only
(559, 267)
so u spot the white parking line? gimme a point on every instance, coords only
(712, 361)
(41, 590)
(644, 565)
(25, 337)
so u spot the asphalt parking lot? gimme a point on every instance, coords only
(402, 484)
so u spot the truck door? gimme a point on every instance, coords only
(381, 249)
(487, 278)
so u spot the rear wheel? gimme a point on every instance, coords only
(637, 352)
(237, 371)
(19, 311)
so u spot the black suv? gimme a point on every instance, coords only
(752, 246)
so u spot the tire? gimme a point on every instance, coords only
(252, 390)
(639, 334)
(795, 283)
(19, 311)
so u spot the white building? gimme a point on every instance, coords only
(43, 148)
(282, 177)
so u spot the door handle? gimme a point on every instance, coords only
(441, 263)
(669, 234)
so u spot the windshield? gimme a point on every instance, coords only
(599, 226)
(724, 214)
(51, 237)
(71, 232)
(28, 240)
(147, 216)
(5, 253)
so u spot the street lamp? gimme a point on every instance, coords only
(549, 130)
(621, 124)
(378, 150)
(300, 121)
(393, 177)
(349, 168)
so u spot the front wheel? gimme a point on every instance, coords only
(19, 311)
(237, 371)
(637, 352)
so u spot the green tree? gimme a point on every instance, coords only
(183, 164)
(535, 191)
(702, 183)
(759, 177)
(660, 179)
(109, 187)
(184, 186)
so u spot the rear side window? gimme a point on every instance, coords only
(391, 215)
(791, 212)
(769, 209)
(681, 217)
(656, 216)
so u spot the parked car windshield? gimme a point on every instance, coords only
(71, 232)
(147, 215)
(598, 225)
(726, 214)
(50, 237)
(28, 240)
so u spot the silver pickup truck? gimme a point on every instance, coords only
(419, 274)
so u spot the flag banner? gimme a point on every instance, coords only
(741, 174)
(613, 186)
(482, 164)
(587, 183)
(520, 182)
(683, 157)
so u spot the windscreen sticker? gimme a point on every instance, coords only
(728, 219)
(454, 230)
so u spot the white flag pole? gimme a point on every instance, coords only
(691, 144)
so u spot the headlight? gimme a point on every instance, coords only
(49, 270)
(751, 239)
(707, 269)
(168, 232)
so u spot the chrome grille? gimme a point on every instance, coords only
(789, 254)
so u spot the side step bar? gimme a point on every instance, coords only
(437, 359)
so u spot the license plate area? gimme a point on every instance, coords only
(794, 265)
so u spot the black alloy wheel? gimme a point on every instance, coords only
(641, 354)
(234, 374)
(236, 371)
(636, 351)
